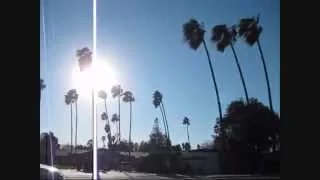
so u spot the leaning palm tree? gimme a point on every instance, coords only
(128, 98)
(103, 138)
(157, 102)
(194, 35)
(68, 101)
(186, 122)
(224, 36)
(42, 86)
(250, 30)
(117, 92)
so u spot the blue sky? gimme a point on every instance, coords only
(143, 41)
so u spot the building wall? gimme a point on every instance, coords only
(200, 162)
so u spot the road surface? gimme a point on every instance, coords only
(116, 175)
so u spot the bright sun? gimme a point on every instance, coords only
(101, 76)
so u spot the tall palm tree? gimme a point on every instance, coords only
(117, 92)
(115, 119)
(128, 98)
(104, 116)
(103, 138)
(103, 95)
(250, 30)
(42, 86)
(186, 122)
(224, 36)
(75, 97)
(68, 101)
(72, 98)
(157, 102)
(194, 35)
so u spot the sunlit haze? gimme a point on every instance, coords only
(101, 76)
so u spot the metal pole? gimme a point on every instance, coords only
(93, 91)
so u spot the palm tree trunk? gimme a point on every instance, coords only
(240, 72)
(166, 121)
(130, 130)
(119, 118)
(188, 134)
(213, 78)
(266, 74)
(71, 128)
(75, 143)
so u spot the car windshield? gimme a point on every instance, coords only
(187, 88)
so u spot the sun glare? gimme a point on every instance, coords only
(101, 76)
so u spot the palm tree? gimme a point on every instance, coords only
(68, 101)
(128, 98)
(157, 102)
(224, 36)
(186, 122)
(70, 98)
(42, 86)
(103, 138)
(104, 116)
(75, 96)
(117, 92)
(115, 119)
(103, 95)
(250, 30)
(85, 58)
(194, 35)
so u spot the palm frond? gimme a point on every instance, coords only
(193, 33)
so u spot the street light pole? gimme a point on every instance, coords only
(94, 53)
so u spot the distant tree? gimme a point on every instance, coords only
(115, 120)
(157, 140)
(42, 86)
(250, 30)
(75, 97)
(104, 116)
(248, 130)
(198, 146)
(117, 92)
(128, 98)
(72, 98)
(157, 102)
(68, 101)
(186, 122)
(187, 146)
(194, 35)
